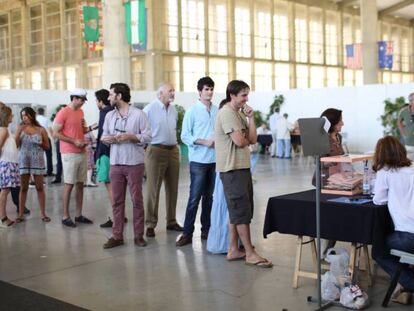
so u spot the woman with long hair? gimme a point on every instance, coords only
(9, 167)
(394, 185)
(32, 140)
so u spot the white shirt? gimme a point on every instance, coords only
(261, 131)
(43, 121)
(273, 121)
(397, 188)
(163, 123)
(283, 128)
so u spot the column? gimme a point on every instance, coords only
(369, 21)
(116, 65)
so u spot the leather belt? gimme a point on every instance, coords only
(167, 147)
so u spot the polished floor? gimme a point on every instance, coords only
(71, 265)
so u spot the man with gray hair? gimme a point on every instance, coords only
(162, 159)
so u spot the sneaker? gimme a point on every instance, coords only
(183, 240)
(107, 224)
(26, 210)
(83, 220)
(56, 181)
(68, 222)
(113, 243)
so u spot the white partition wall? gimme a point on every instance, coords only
(361, 106)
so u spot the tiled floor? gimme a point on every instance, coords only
(70, 264)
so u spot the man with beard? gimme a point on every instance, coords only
(162, 158)
(126, 130)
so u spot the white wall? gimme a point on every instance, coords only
(361, 106)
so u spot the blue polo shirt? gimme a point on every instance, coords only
(198, 123)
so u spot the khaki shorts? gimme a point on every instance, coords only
(74, 167)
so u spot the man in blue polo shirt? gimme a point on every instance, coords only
(198, 134)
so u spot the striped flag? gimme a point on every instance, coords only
(136, 24)
(354, 56)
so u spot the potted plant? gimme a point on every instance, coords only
(278, 102)
(390, 117)
(180, 117)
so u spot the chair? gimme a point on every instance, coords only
(405, 260)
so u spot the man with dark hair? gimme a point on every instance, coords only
(69, 127)
(162, 159)
(126, 129)
(44, 122)
(103, 150)
(197, 133)
(233, 135)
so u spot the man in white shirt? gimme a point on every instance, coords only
(272, 124)
(162, 159)
(283, 129)
(44, 122)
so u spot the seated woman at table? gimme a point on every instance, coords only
(334, 116)
(395, 185)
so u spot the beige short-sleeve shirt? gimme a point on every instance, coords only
(229, 157)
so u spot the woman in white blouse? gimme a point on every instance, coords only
(395, 185)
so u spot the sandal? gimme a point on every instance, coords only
(19, 219)
(46, 219)
(6, 222)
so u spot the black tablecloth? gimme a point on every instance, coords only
(265, 139)
(360, 223)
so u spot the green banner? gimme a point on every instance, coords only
(136, 22)
(91, 23)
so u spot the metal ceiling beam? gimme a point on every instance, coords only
(395, 7)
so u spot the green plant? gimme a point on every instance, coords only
(390, 117)
(180, 117)
(278, 102)
(258, 118)
(56, 111)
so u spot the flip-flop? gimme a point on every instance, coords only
(261, 263)
(237, 258)
(46, 219)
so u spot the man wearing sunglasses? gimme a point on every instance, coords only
(69, 127)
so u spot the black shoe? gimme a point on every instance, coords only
(204, 235)
(56, 181)
(175, 227)
(83, 220)
(68, 223)
(107, 224)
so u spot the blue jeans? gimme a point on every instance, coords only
(402, 241)
(202, 177)
(283, 148)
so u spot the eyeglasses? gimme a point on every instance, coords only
(120, 127)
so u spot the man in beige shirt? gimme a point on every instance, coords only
(233, 135)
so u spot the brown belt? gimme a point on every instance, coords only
(168, 147)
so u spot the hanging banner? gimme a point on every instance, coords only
(92, 24)
(136, 24)
(385, 54)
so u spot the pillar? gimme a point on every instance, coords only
(369, 25)
(116, 57)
